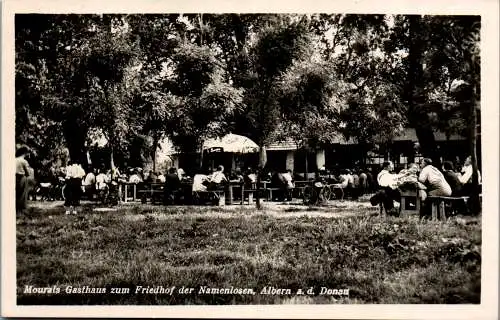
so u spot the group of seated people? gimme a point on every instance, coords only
(353, 182)
(426, 179)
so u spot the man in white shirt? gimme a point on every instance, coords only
(161, 178)
(288, 184)
(135, 179)
(389, 192)
(88, 184)
(218, 176)
(101, 180)
(387, 179)
(198, 182)
(465, 177)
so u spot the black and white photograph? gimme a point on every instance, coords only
(317, 158)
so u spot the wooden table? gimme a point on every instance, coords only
(338, 186)
(230, 188)
(300, 185)
(123, 189)
(410, 195)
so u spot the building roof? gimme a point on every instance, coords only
(409, 134)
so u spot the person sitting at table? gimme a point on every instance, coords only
(249, 179)
(408, 178)
(236, 176)
(388, 193)
(217, 179)
(435, 182)
(350, 180)
(371, 183)
(160, 177)
(277, 182)
(344, 179)
(408, 181)
(318, 183)
(288, 184)
(433, 179)
(171, 187)
(355, 185)
(134, 177)
(466, 177)
(88, 184)
(181, 173)
(452, 178)
(200, 182)
(101, 184)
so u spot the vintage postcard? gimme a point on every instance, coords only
(265, 159)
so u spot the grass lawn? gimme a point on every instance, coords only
(379, 259)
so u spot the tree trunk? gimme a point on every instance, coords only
(475, 204)
(416, 102)
(262, 164)
(75, 141)
(201, 156)
(307, 168)
(111, 156)
(153, 155)
(428, 145)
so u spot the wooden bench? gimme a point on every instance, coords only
(269, 193)
(215, 197)
(153, 191)
(410, 197)
(248, 195)
(231, 195)
(440, 204)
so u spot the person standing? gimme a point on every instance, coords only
(355, 185)
(363, 182)
(22, 176)
(73, 190)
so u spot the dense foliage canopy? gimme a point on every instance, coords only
(137, 79)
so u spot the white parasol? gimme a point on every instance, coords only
(231, 143)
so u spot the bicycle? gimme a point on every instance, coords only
(317, 193)
(326, 192)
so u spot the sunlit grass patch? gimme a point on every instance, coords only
(379, 259)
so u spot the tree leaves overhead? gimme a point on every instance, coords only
(188, 77)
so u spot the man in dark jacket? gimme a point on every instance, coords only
(452, 178)
(172, 187)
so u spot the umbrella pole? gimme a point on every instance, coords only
(201, 156)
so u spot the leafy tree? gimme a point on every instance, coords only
(275, 49)
(45, 86)
(206, 101)
(436, 47)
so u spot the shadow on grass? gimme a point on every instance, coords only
(379, 259)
